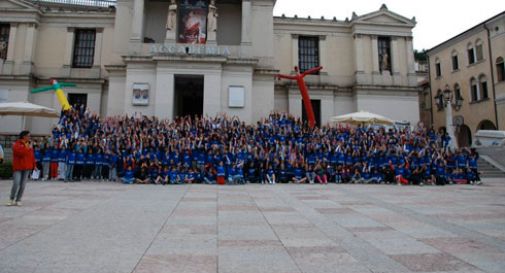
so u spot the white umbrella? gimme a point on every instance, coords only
(26, 109)
(362, 117)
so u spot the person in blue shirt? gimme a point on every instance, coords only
(251, 173)
(62, 162)
(80, 161)
(165, 175)
(473, 167)
(70, 160)
(113, 166)
(128, 177)
(97, 173)
(89, 164)
(270, 174)
(221, 173)
(440, 174)
(106, 165)
(46, 162)
(174, 176)
(190, 176)
(37, 153)
(155, 173)
(209, 175)
(299, 176)
(282, 173)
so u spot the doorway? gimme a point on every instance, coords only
(316, 107)
(78, 99)
(188, 95)
(464, 136)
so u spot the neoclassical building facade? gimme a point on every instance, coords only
(173, 58)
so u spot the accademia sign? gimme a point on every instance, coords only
(203, 50)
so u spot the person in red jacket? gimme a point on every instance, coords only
(23, 162)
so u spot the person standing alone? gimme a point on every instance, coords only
(22, 164)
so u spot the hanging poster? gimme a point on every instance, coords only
(192, 25)
(140, 95)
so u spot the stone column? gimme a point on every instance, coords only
(138, 21)
(376, 78)
(164, 103)
(395, 61)
(395, 56)
(294, 50)
(246, 23)
(97, 60)
(358, 58)
(9, 61)
(69, 46)
(411, 67)
(322, 51)
(295, 103)
(29, 48)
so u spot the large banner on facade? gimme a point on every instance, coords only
(192, 25)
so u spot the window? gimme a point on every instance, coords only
(84, 48)
(4, 40)
(500, 69)
(455, 63)
(483, 87)
(478, 51)
(457, 92)
(438, 70)
(384, 44)
(471, 54)
(308, 52)
(474, 89)
(439, 98)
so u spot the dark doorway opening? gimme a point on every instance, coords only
(188, 97)
(78, 100)
(316, 106)
(464, 136)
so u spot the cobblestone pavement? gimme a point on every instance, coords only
(109, 227)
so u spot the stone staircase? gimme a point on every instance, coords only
(487, 170)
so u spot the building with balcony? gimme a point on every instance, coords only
(471, 66)
(174, 58)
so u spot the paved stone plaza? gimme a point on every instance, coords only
(108, 227)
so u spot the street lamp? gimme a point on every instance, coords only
(447, 93)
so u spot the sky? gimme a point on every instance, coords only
(437, 20)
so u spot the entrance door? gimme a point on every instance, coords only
(78, 99)
(188, 99)
(316, 107)
(464, 136)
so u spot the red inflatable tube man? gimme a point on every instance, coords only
(299, 77)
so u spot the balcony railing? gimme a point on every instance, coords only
(90, 3)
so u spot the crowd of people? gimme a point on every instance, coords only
(224, 150)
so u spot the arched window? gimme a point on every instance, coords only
(474, 90)
(500, 69)
(479, 54)
(471, 53)
(455, 63)
(483, 87)
(458, 99)
(438, 69)
(457, 91)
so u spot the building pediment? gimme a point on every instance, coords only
(17, 5)
(383, 17)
